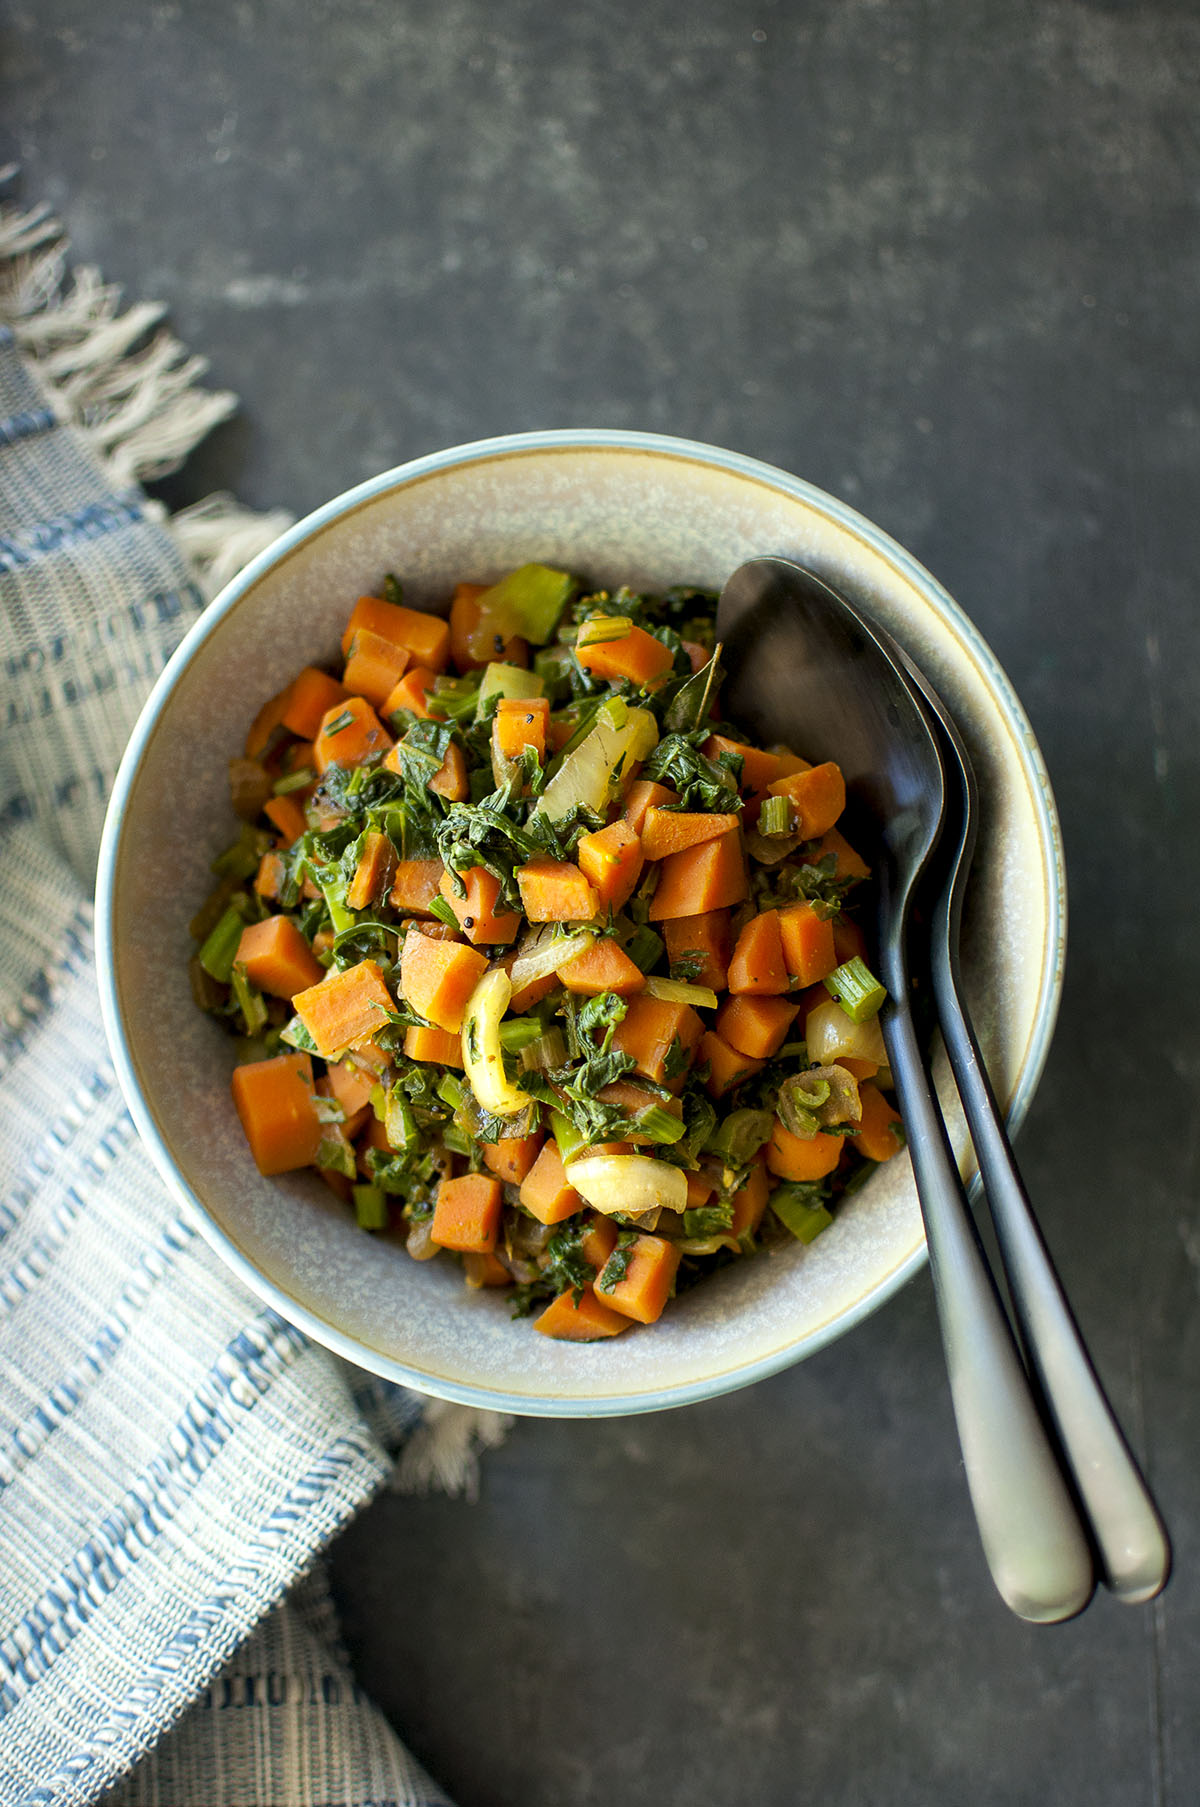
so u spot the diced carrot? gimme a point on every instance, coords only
(375, 666)
(757, 1026)
(699, 1190)
(352, 1088)
(611, 859)
(818, 797)
(876, 1137)
(269, 717)
(857, 1067)
(526, 996)
(484, 1270)
(802, 1157)
(649, 1031)
(757, 965)
(706, 935)
(634, 1101)
(790, 762)
(511, 1158)
(450, 780)
(436, 1045)
(584, 1320)
(285, 814)
(642, 796)
(345, 1008)
(322, 942)
(275, 1100)
(559, 731)
(412, 693)
(701, 878)
(671, 831)
(808, 943)
(644, 1288)
(750, 1201)
(520, 722)
(598, 1240)
(311, 695)
(426, 637)
(373, 874)
(546, 1193)
(758, 768)
(416, 885)
(555, 891)
(438, 977)
(464, 619)
(277, 958)
(467, 1214)
(476, 912)
(602, 967)
(350, 733)
(848, 940)
(352, 1121)
(850, 863)
(727, 1067)
(268, 880)
(637, 655)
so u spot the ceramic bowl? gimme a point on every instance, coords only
(618, 508)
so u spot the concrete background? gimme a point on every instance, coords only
(942, 261)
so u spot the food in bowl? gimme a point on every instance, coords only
(571, 955)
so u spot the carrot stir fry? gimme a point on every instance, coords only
(537, 960)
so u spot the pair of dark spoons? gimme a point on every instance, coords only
(1057, 1495)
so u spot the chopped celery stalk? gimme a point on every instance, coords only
(529, 602)
(588, 776)
(340, 918)
(603, 628)
(775, 817)
(456, 1140)
(678, 991)
(644, 948)
(450, 1091)
(658, 1125)
(549, 1051)
(520, 1033)
(506, 680)
(740, 1135)
(800, 1209)
(217, 951)
(294, 781)
(241, 860)
(399, 1124)
(565, 1134)
(614, 712)
(856, 989)
(249, 1000)
(370, 1207)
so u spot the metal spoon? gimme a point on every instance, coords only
(801, 670)
(1132, 1543)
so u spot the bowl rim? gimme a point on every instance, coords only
(572, 439)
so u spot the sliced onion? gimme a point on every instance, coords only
(544, 951)
(831, 1036)
(628, 1185)
(678, 991)
(483, 1056)
(584, 777)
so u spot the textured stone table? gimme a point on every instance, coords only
(943, 262)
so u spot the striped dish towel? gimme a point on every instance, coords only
(173, 1455)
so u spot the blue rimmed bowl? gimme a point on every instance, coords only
(619, 508)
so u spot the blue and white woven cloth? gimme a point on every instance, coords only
(173, 1455)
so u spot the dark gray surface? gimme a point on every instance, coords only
(942, 261)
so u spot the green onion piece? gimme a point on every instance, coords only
(241, 859)
(678, 991)
(293, 781)
(296, 1036)
(455, 1139)
(856, 989)
(450, 1091)
(249, 1000)
(371, 1207)
(800, 1209)
(566, 1135)
(658, 1125)
(519, 1033)
(614, 713)
(217, 951)
(603, 628)
(441, 909)
(775, 817)
(645, 948)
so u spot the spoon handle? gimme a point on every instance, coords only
(1135, 1554)
(1034, 1544)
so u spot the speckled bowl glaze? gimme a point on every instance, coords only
(619, 508)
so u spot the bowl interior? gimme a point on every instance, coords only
(649, 514)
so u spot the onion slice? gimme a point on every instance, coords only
(628, 1185)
